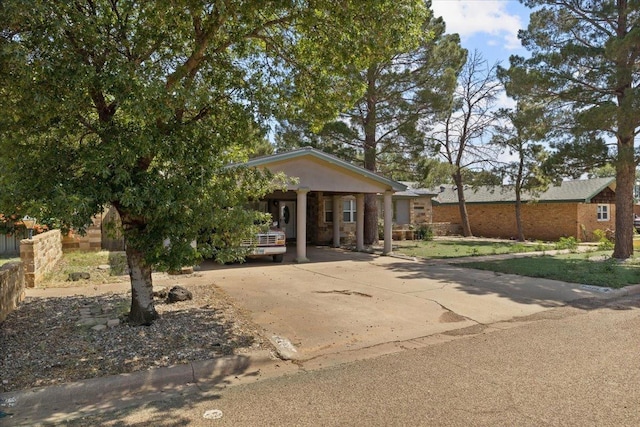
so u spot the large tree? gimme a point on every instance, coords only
(461, 136)
(142, 105)
(584, 68)
(381, 132)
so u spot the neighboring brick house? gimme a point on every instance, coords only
(573, 208)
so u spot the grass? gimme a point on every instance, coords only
(592, 268)
(7, 259)
(463, 248)
(80, 261)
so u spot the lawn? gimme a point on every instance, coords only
(454, 248)
(591, 268)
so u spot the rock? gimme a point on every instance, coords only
(79, 275)
(104, 267)
(161, 293)
(99, 327)
(112, 323)
(178, 293)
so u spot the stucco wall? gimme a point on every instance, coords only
(543, 221)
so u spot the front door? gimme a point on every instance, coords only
(288, 218)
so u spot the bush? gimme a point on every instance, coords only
(570, 243)
(604, 243)
(424, 232)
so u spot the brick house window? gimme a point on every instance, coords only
(349, 210)
(603, 212)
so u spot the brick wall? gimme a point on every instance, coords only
(11, 287)
(91, 241)
(543, 221)
(39, 255)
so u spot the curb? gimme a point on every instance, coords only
(72, 400)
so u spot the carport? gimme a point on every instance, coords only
(314, 171)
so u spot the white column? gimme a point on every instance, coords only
(388, 222)
(359, 222)
(337, 210)
(301, 232)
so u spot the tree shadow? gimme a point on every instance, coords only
(520, 289)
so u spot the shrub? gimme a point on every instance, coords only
(424, 232)
(570, 243)
(604, 243)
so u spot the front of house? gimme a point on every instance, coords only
(324, 203)
(572, 209)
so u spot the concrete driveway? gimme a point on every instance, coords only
(345, 301)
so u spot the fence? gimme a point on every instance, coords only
(10, 244)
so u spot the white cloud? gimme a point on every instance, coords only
(487, 17)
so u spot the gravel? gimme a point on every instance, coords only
(49, 341)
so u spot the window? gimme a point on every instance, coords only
(603, 212)
(328, 209)
(349, 210)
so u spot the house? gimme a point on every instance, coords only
(326, 201)
(411, 208)
(572, 209)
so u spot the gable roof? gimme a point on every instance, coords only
(582, 190)
(265, 161)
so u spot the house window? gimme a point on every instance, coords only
(603, 212)
(349, 210)
(328, 209)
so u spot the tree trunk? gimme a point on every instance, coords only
(520, 229)
(370, 154)
(464, 216)
(142, 311)
(625, 178)
(370, 219)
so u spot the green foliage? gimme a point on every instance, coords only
(604, 243)
(424, 232)
(570, 243)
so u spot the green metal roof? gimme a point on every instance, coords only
(568, 191)
(312, 152)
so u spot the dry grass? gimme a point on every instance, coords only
(103, 267)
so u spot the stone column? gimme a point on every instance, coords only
(337, 210)
(388, 222)
(359, 222)
(301, 232)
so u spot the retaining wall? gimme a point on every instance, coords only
(39, 255)
(12, 287)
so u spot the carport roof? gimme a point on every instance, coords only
(309, 152)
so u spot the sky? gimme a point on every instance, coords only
(490, 26)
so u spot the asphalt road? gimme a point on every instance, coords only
(577, 365)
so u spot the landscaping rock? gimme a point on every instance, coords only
(178, 293)
(161, 293)
(80, 275)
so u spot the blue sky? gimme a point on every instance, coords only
(490, 26)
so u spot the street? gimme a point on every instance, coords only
(573, 365)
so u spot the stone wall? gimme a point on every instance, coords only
(11, 287)
(39, 255)
(542, 221)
